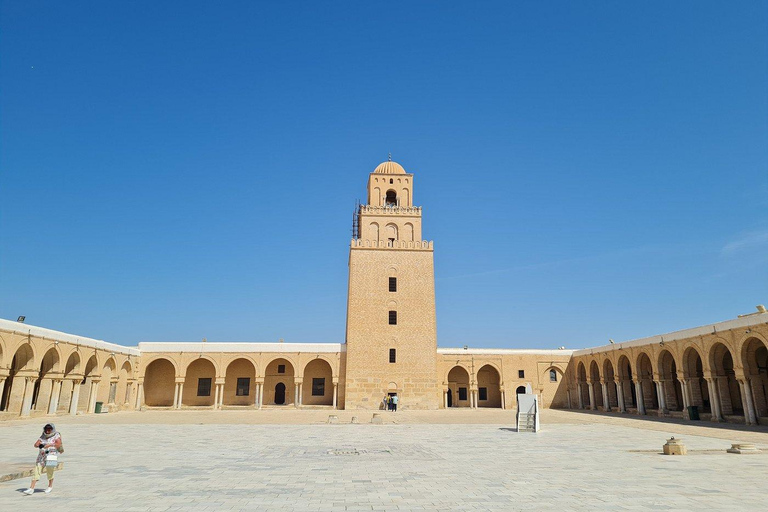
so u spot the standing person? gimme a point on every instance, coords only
(385, 401)
(50, 440)
(394, 403)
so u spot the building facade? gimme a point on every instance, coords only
(390, 349)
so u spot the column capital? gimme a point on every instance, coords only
(178, 380)
(219, 381)
(298, 380)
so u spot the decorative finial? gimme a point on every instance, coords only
(390, 156)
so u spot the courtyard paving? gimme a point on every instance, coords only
(441, 460)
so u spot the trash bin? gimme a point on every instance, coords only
(99, 405)
(693, 412)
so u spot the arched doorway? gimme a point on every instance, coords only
(693, 370)
(581, 382)
(279, 393)
(520, 390)
(123, 389)
(279, 371)
(755, 360)
(594, 377)
(626, 386)
(239, 383)
(199, 384)
(44, 385)
(670, 385)
(108, 385)
(317, 384)
(450, 397)
(721, 361)
(15, 384)
(71, 382)
(645, 375)
(159, 383)
(610, 384)
(87, 384)
(458, 383)
(488, 387)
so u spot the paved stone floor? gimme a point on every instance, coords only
(206, 460)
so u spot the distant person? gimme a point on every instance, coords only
(385, 401)
(394, 403)
(49, 446)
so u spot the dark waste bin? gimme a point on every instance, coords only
(693, 412)
(99, 405)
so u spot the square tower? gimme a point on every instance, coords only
(391, 328)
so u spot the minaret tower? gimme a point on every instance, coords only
(391, 329)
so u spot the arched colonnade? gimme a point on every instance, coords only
(480, 384)
(42, 375)
(725, 377)
(239, 381)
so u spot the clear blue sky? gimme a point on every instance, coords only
(588, 170)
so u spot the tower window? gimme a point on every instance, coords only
(483, 392)
(552, 376)
(204, 387)
(243, 386)
(393, 284)
(281, 368)
(520, 374)
(393, 318)
(392, 355)
(391, 199)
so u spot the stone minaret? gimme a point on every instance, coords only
(391, 331)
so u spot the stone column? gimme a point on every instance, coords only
(180, 382)
(216, 397)
(714, 398)
(44, 394)
(29, 390)
(296, 391)
(54, 402)
(335, 395)
(751, 401)
(620, 394)
(176, 395)
(220, 381)
(261, 394)
(581, 400)
(256, 395)
(746, 400)
(128, 392)
(139, 395)
(75, 397)
(94, 393)
(2, 385)
(445, 399)
(639, 396)
(591, 395)
(661, 394)
(503, 399)
(606, 403)
(301, 392)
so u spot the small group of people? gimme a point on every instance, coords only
(390, 403)
(49, 447)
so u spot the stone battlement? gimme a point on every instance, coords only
(391, 210)
(422, 245)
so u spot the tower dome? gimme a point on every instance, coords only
(389, 167)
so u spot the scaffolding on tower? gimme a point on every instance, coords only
(356, 221)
